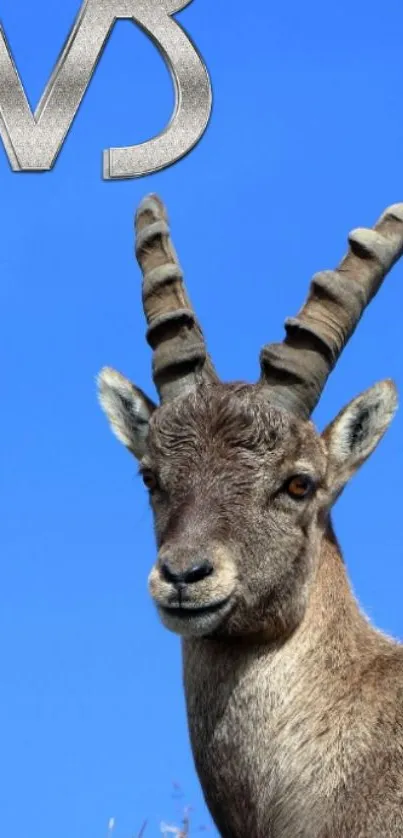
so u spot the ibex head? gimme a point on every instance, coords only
(240, 481)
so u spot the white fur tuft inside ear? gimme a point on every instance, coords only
(364, 421)
(357, 430)
(128, 409)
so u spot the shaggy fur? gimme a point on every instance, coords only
(295, 703)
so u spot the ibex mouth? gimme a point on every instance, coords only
(195, 621)
(186, 611)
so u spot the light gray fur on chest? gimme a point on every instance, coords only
(280, 752)
(255, 753)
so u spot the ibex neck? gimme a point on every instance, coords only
(332, 620)
(264, 719)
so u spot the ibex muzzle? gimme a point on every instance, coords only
(192, 586)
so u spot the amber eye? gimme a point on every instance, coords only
(300, 486)
(149, 479)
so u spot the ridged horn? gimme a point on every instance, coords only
(180, 358)
(295, 371)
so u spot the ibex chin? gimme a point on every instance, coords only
(295, 703)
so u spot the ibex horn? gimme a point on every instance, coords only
(295, 371)
(180, 358)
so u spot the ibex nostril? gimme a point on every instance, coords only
(198, 572)
(170, 575)
(192, 574)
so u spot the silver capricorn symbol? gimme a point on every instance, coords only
(33, 141)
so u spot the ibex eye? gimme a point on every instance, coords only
(149, 479)
(300, 486)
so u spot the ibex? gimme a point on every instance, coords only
(295, 702)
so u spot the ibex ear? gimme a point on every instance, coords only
(356, 431)
(127, 408)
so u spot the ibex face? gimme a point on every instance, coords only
(240, 482)
(240, 492)
(236, 490)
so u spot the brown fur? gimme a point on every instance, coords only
(295, 703)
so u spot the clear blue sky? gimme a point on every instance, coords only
(305, 143)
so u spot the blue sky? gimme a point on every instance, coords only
(305, 143)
